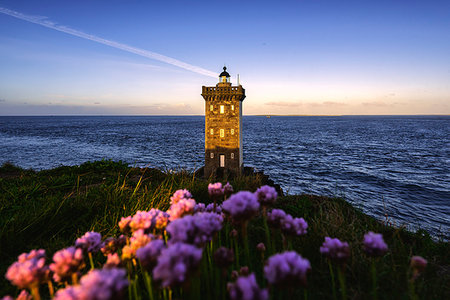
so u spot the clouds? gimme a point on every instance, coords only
(2, 100)
(43, 21)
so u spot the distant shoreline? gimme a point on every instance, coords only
(258, 115)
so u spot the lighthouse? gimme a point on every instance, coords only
(223, 127)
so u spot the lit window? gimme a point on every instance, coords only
(212, 155)
(232, 107)
(222, 133)
(222, 109)
(232, 155)
(211, 131)
(211, 107)
(232, 131)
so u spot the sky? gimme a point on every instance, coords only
(305, 57)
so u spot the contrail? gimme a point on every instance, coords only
(145, 53)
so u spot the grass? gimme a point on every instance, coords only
(50, 209)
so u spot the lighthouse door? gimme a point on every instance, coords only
(222, 160)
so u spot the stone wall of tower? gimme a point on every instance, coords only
(230, 121)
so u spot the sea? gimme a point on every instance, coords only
(395, 168)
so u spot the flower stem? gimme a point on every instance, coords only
(341, 277)
(245, 241)
(374, 280)
(35, 292)
(91, 261)
(148, 284)
(333, 283)
(266, 229)
(51, 289)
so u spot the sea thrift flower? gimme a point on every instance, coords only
(267, 195)
(29, 270)
(241, 206)
(246, 288)
(111, 245)
(124, 224)
(223, 257)
(153, 219)
(90, 241)
(210, 208)
(181, 205)
(215, 190)
(287, 269)
(334, 249)
(148, 254)
(112, 261)
(227, 189)
(175, 263)
(261, 247)
(275, 216)
(374, 244)
(293, 226)
(197, 229)
(199, 207)
(418, 264)
(105, 284)
(138, 240)
(180, 194)
(66, 262)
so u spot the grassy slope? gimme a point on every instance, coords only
(50, 209)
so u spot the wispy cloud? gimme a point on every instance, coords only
(43, 21)
(284, 104)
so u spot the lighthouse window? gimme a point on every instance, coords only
(222, 133)
(211, 131)
(232, 155)
(212, 155)
(222, 109)
(232, 107)
(211, 107)
(232, 131)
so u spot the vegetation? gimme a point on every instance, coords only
(50, 209)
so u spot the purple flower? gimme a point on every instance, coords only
(223, 257)
(275, 216)
(215, 190)
(197, 229)
(241, 206)
(29, 270)
(210, 208)
(90, 241)
(293, 226)
(175, 263)
(261, 247)
(374, 244)
(199, 207)
(228, 189)
(287, 269)
(334, 249)
(246, 288)
(105, 284)
(66, 262)
(148, 254)
(267, 195)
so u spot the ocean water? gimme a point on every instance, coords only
(389, 166)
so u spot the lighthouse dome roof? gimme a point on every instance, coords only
(224, 73)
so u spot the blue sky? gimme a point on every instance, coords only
(293, 57)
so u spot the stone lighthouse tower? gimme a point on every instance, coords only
(223, 127)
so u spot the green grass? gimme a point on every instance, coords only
(50, 209)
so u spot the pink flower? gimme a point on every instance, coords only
(287, 269)
(90, 241)
(228, 189)
(138, 240)
(335, 249)
(418, 264)
(246, 288)
(267, 195)
(153, 219)
(374, 244)
(181, 208)
(215, 190)
(180, 194)
(66, 262)
(241, 206)
(124, 224)
(29, 270)
(112, 261)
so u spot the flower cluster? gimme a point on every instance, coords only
(287, 269)
(197, 229)
(275, 217)
(90, 241)
(138, 240)
(181, 204)
(149, 220)
(289, 225)
(267, 195)
(418, 265)
(374, 244)
(246, 288)
(334, 249)
(215, 190)
(98, 284)
(29, 270)
(241, 206)
(148, 254)
(111, 245)
(175, 262)
(66, 262)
